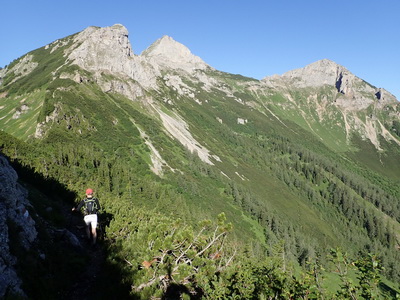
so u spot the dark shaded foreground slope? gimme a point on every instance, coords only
(98, 280)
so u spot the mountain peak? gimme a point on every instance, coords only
(324, 63)
(102, 48)
(354, 93)
(167, 47)
(170, 53)
(319, 73)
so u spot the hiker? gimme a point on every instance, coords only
(91, 207)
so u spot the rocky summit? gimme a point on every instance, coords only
(323, 87)
(328, 73)
(108, 51)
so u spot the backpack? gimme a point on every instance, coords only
(91, 205)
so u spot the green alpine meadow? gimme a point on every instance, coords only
(212, 185)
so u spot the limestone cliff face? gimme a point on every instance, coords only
(327, 88)
(356, 94)
(168, 53)
(103, 49)
(108, 50)
(106, 54)
(14, 214)
(320, 73)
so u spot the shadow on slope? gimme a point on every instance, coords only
(62, 264)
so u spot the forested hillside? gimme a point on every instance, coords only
(214, 185)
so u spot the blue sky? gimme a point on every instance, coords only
(253, 38)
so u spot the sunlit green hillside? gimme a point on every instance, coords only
(287, 169)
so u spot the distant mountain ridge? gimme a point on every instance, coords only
(108, 51)
(327, 72)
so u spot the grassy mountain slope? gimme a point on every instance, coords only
(284, 164)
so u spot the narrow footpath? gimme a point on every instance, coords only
(84, 287)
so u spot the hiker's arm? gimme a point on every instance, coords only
(79, 206)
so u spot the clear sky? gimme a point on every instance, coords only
(254, 38)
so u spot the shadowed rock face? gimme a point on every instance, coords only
(14, 209)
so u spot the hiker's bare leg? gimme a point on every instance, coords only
(94, 233)
(88, 231)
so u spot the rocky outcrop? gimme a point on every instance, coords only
(331, 88)
(167, 52)
(356, 94)
(108, 51)
(24, 66)
(16, 225)
(102, 48)
(106, 54)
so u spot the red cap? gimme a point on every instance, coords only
(89, 191)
